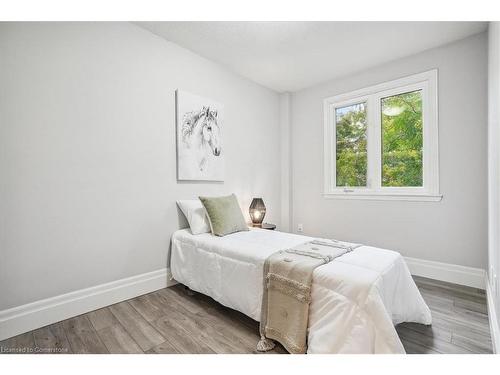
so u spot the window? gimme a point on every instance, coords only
(351, 145)
(382, 142)
(402, 139)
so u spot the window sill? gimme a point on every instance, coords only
(379, 196)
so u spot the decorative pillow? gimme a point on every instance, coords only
(224, 215)
(196, 215)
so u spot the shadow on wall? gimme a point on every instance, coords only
(181, 224)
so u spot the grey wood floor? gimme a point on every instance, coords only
(175, 320)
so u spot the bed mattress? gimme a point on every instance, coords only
(356, 299)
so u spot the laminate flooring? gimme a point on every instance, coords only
(176, 320)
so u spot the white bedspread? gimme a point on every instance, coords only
(356, 299)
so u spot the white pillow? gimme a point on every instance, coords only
(196, 215)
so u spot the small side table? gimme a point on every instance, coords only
(268, 226)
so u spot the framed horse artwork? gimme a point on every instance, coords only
(200, 154)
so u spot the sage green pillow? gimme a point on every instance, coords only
(224, 214)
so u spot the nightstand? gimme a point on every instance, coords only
(268, 226)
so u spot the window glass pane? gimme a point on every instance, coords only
(351, 150)
(402, 140)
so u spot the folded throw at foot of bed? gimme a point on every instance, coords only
(287, 292)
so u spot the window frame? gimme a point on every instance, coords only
(425, 82)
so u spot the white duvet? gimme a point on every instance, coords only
(356, 299)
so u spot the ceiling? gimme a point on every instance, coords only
(289, 56)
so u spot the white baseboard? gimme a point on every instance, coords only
(492, 315)
(452, 273)
(38, 314)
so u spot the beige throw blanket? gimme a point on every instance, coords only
(287, 292)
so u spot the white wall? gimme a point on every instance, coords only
(494, 163)
(87, 152)
(451, 231)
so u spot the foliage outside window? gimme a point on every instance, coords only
(402, 140)
(382, 141)
(351, 145)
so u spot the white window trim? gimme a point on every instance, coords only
(427, 83)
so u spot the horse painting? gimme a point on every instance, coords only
(201, 133)
(199, 143)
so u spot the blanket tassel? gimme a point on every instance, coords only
(265, 344)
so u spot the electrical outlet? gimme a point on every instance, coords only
(300, 228)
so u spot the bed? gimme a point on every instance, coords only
(356, 299)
